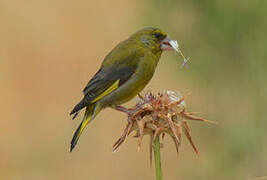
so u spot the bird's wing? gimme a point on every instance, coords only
(106, 81)
(117, 68)
(115, 71)
(103, 83)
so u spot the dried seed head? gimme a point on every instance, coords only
(164, 113)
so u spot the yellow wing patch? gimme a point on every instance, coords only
(108, 91)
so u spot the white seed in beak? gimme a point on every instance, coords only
(174, 45)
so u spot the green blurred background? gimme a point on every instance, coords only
(50, 49)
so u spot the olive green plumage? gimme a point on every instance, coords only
(124, 72)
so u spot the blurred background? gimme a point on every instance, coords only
(50, 49)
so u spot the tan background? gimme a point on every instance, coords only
(50, 49)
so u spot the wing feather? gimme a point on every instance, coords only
(106, 81)
(117, 68)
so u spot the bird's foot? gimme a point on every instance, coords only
(130, 112)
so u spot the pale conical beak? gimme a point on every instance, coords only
(168, 44)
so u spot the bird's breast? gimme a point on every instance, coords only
(134, 85)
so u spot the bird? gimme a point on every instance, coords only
(123, 74)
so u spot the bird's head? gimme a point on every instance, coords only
(154, 39)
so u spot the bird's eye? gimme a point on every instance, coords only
(158, 35)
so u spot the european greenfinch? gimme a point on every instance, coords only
(125, 72)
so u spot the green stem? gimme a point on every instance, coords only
(156, 148)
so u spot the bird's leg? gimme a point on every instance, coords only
(124, 109)
(141, 97)
(130, 112)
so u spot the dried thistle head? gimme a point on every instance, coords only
(155, 115)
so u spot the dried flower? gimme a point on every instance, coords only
(155, 115)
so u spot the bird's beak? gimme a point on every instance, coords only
(168, 45)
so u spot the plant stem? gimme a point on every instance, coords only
(156, 148)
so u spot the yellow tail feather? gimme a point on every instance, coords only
(90, 112)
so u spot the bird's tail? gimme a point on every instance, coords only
(91, 111)
(78, 107)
